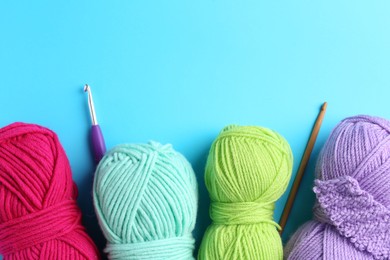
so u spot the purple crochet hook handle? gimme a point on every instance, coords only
(98, 144)
(97, 139)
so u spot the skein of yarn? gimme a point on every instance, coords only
(248, 169)
(39, 217)
(145, 197)
(352, 212)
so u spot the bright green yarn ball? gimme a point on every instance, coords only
(145, 197)
(248, 169)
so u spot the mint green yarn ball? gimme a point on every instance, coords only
(247, 170)
(145, 197)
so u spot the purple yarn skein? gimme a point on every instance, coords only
(352, 211)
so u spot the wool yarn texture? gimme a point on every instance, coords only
(247, 171)
(146, 197)
(352, 211)
(39, 217)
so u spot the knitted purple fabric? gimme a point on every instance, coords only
(352, 212)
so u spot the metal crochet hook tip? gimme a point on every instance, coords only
(87, 88)
(97, 139)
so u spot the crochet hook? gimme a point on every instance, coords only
(97, 139)
(302, 167)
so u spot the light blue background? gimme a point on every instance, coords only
(179, 71)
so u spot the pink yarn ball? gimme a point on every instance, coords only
(39, 217)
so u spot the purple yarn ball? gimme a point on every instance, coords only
(352, 216)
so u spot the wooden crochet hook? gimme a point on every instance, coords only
(302, 167)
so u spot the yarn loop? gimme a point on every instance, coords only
(170, 248)
(39, 227)
(241, 213)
